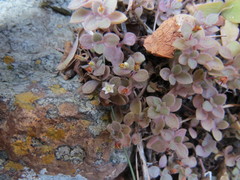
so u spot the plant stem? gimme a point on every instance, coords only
(130, 165)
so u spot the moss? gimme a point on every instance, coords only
(8, 60)
(57, 89)
(47, 159)
(26, 100)
(13, 165)
(55, 134)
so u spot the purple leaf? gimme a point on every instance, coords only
(163, 161)
(90, 86)
(200, 152)
(129, 39)
(141, 75)
(157, 144)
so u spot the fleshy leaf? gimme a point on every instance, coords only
(190, 162)
(129, 39)
(223, 125)
(157, 144)
(232, 11)
(117, 17)
(219, 99)
(136, 106)
(234, 47)
(79, 15)
(136, 138)
(138, 57)
(129, 118)
(89, 86)
(177, 105)
(184, 78)
(176, 69)
(207, 106)
(141, 75)
(111, 39)
(209, 8)
(192, 133)
(186, 30)
(182, 151)
(169, 99)
(217, 134)
(163, 161)
(216, 64)
(211, 19)
(164, 73)
(172, 121)
(229, 32)
(154, 171)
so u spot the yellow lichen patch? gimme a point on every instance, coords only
(38, 61)
(47, 159)
(20, 148)
(57, 89)
(95, 102)
(8, 60)
(26, 100)
(55, 134)
(46, 149)
(13, 165)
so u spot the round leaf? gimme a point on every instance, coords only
(141, 75)
(232, 11)
(184, 78)
(89, 86)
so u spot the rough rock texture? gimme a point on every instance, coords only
(44, 121)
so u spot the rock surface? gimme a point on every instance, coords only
(44, 122)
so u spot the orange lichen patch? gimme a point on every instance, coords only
(85, 123)
(55, 134)
(47, 159)
(8, 60)
(68, 109)
(57, 89)
(26, 100)
(160, 42)
(13, 165)
(38, 61)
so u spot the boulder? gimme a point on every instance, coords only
(46, 127)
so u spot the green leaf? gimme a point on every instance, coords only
(176, 69)
(219, 99)
(136, 106)
(232, 11)
(234, 47)
(184, 78)
(217, 134)
(229, 32)
(169, 99)
(209, 8)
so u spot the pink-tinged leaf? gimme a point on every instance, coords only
(167, 134)
(138, 57)
(111, 39)
(130, 3)
(154, 171)
(184, 78)
(153, 101)
(192, 63)
(208, 125)
(114, 55)
(201, 114)
(183, 59)
(197, 88)
(141, 75)
(90, 86)
(119, 99)
(223, 125)
(136, 106)
(179, 44)
(163, 161)
(152, 113)
(157, 126)
(86, 41)
(157, 144)
(190, 162)
(129, 118)
(225, 53)
(93, 22)
(80, 15)
(177, 105)
(186, 30)
(217, 134)
(76, 4)
(129, 39)
(198, 101)
(182, 151)
(126, 141)
(230, 161)
(106, 73)
(181, 133)
(117, 17)
(172, 121)
(218, 112)
(165, 73)
(220, 99)
(125, 129)
(203, 58)
(200, 152)
(136, 138)
(110, 6)
(169, 99)
(192, 133)
(215, 64)
(99, 71)
(172, 79)
(207, 106)
(68, 61)
(209, 92)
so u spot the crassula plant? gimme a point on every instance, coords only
(175, 109)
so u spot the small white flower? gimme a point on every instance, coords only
(108, 88)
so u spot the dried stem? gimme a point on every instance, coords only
(231, 105)
(144, 163)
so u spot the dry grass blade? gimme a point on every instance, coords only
(144, 163)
